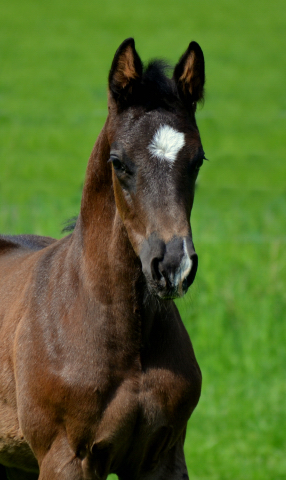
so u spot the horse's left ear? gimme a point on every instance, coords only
(126, 71)
(189, 74)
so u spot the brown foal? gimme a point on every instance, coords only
(98, 374)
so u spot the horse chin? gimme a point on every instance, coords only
(170, 295)
(166, 292)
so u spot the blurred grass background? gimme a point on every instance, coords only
(55, 58)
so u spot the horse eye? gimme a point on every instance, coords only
(199, 163)
(117, 164)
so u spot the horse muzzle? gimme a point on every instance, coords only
(170, 268)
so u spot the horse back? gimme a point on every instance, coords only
(31, 242)
(19, 257)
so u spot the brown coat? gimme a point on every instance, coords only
(98, 373)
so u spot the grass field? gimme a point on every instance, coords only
(55, 58)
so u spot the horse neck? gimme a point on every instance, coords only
(109, 274)
(109, 264)
(96, 195)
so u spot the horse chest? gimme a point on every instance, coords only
(155, 397)
(142, 406)
(145, 417)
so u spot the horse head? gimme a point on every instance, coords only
(156, 154)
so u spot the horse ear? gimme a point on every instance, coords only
(126, 70)
(189, 74)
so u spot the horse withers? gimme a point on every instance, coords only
(98, 374)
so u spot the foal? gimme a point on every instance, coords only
(98, 373)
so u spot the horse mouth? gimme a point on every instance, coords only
(165, 290)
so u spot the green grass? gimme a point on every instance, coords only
(55, 58)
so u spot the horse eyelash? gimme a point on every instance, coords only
(120, 169)
(200, 162)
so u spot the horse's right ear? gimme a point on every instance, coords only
(126, 70)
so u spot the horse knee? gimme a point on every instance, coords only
(172, 465)
(60, 462)
(51, 469)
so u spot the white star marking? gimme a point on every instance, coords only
(166, 143)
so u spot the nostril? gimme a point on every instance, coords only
(157, 275)
(185, 284)
(155, 269)
(191, 277)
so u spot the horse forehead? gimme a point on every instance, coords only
(166, 143)
(160, 135)
(152, 122)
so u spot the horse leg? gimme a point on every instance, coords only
(171, 466)
(60, 462)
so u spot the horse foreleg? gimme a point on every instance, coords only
(171, 466)
(60, 462)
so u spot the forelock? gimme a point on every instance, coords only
(156, 89)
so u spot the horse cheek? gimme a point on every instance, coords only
(121, 204)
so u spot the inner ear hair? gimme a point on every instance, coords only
(189, 73)
(125, 69)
